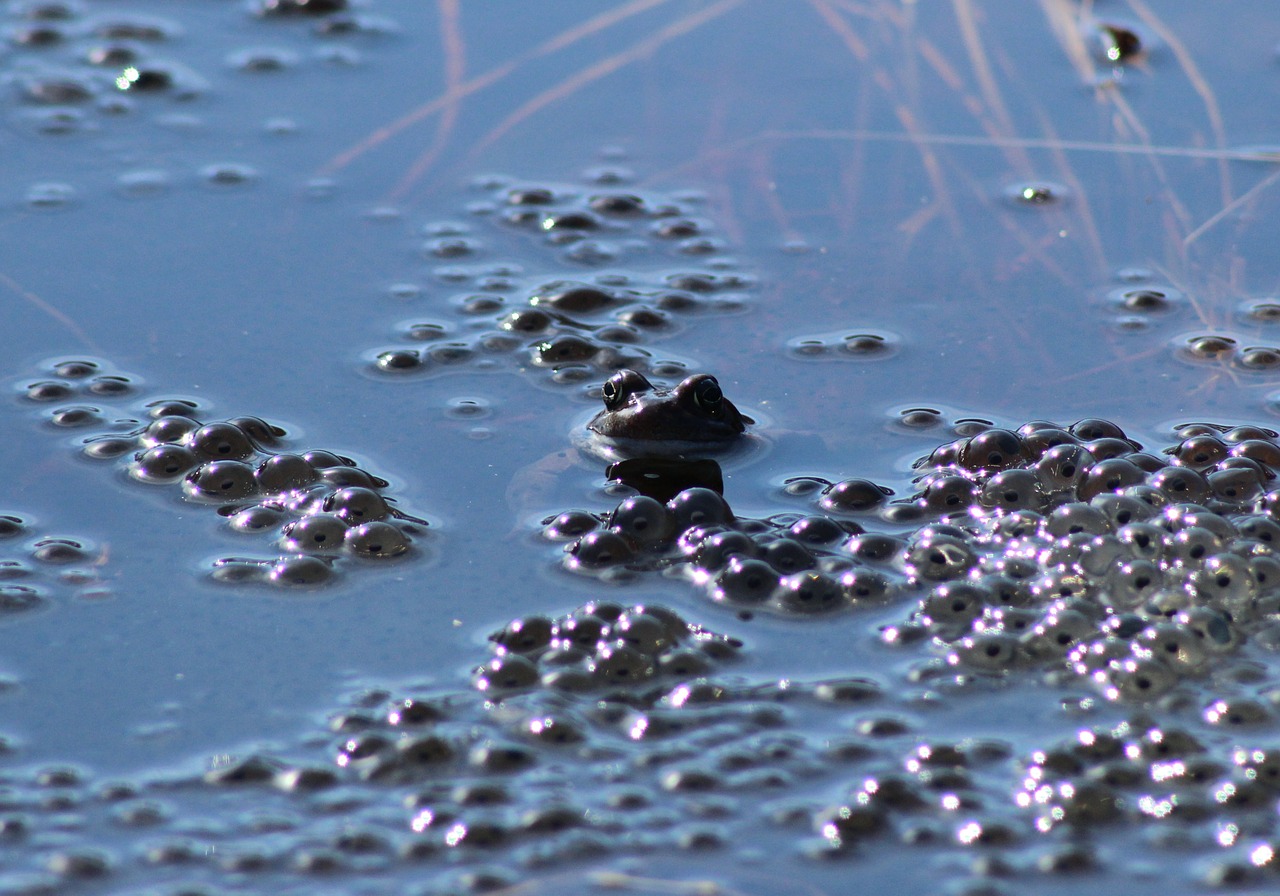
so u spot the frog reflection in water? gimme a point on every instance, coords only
(639, 418)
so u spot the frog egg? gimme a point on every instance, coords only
(1057, 632)
(1139, 679)
(986, 652)
(1180, 484)
(1018, 524)
(842, 827)
(319, 532)
(1166, 603)
(1110, 475)
(1091, 428)
(398, 360)
(75, 415)
(1077, 517)
(284, 472)
(862, 585)
(1174, 645)
(220, 480)
(300, 570)
(1199, 451)
(1088, 657)
(570, 524)
(1062, 468)
(1040, 436)
(853, 496)
(788, 556)
(583, 631)
(260, 518)
(745, 581)
(938, 558)
(1238, 714)
(684, 662)
(49, 390)
(1153, 498)
(163, 464)
(1215, 631)
(1223, 579)
(19, 599)
(1059, 583)
(1002, 590)
(642, 632)
(947, 493)
(357, 504)
(642, 520)
(166, 430)
(698, 507)
(953, 606)
(1130, 583)
(376, 539)
(1191, 546)
(875, 547)
(1237, 488)
(528, 635)
(993, 450)
(1012, 490)
(808, 592)
(509, 672)
(107, 447)
(1143, 540)
(1122, 510)
(597, 550)
(220, 441)
(616, 664)
(1098, 554)
(1011, 620)
(352, 476)
(1256, 445)
(820, 530)
(1184, 516)
(715, 551)
(1265, 572)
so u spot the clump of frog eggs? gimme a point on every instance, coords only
(320, 506)
(571, 330)
(1068, 549)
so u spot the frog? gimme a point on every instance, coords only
(650, 425)
(640, 419)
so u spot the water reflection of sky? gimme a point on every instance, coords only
(870, 164)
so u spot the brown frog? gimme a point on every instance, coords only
(639, 418)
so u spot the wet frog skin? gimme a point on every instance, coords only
(695, 412)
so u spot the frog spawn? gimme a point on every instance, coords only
(600, 647)
(1064, 550)
(1160, 788)
(570, 327)
(320, 507)
(35, 569)
(529, 779)
(790, 563)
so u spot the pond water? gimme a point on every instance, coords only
(417, 238)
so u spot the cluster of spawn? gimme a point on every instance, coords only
(318, 508)
(530, 770)
(36, 569)
(578, 329)
(1069, 550)
(72, 68)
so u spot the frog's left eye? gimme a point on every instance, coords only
(618, 388)
(708, 395)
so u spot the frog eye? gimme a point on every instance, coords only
(619, 388)
(708, 395)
